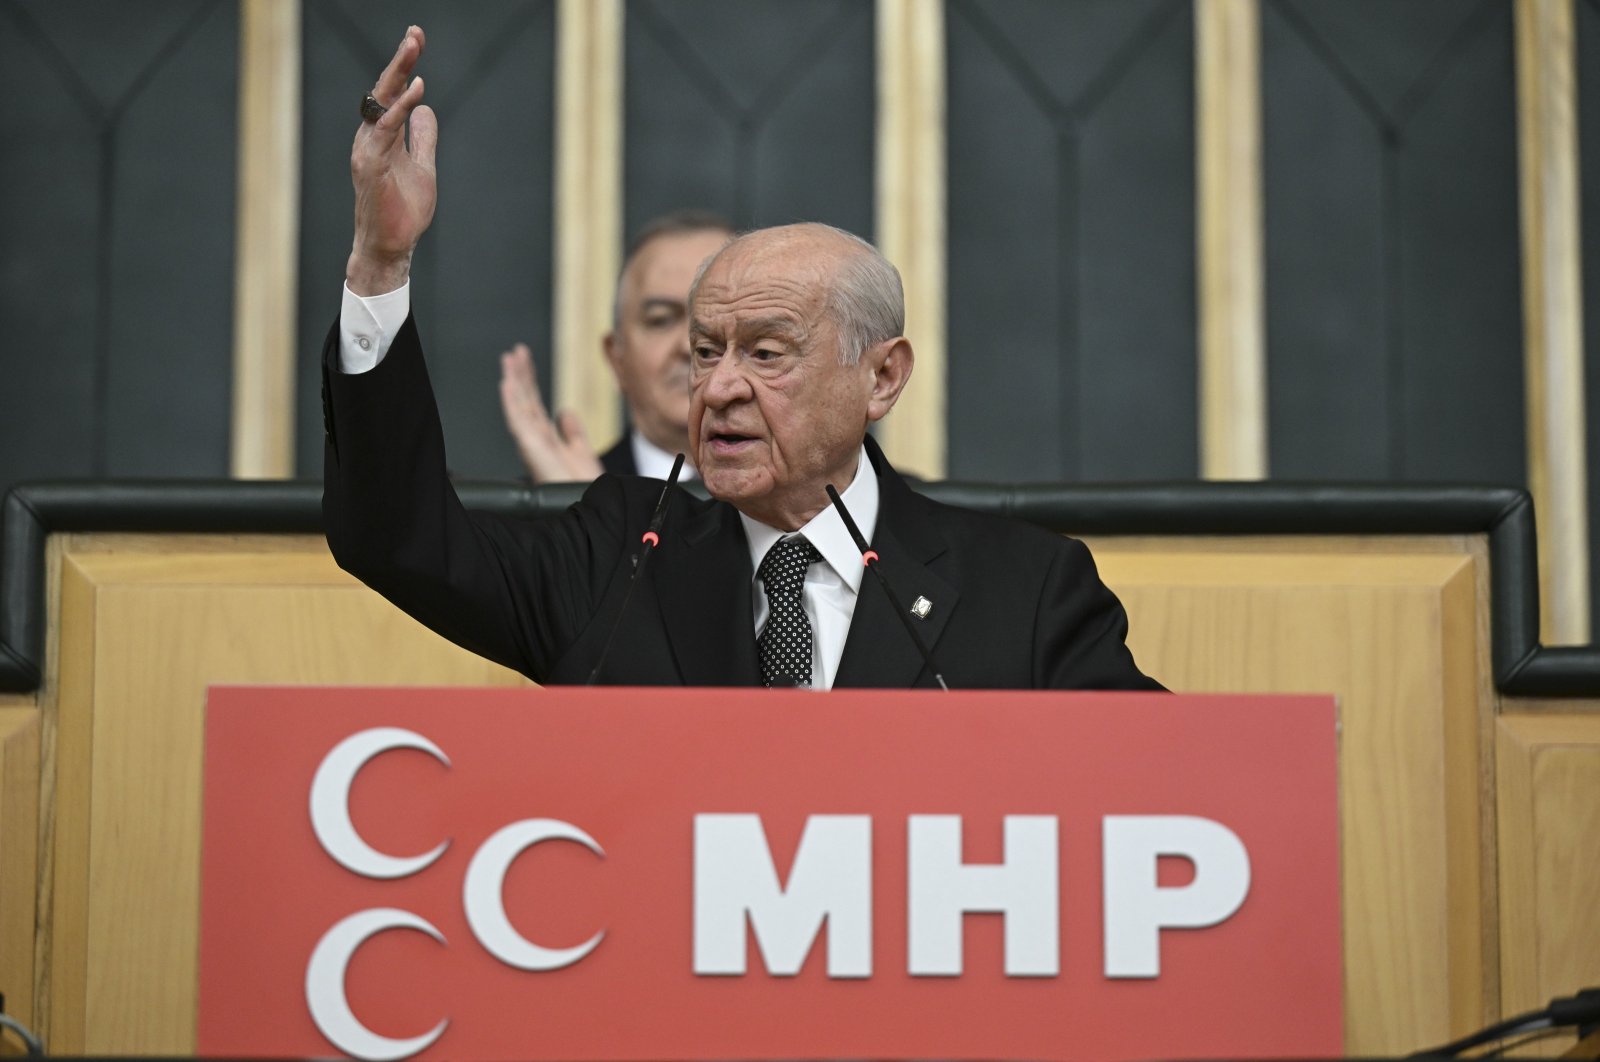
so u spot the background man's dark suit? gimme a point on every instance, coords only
(619, 459)
(1014, 606)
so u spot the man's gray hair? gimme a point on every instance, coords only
(865, 301)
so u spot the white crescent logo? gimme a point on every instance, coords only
(330, 803)
(482, 895)
(325, 995)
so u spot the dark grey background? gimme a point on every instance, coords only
(1393, 294)
(762, 110)
(116, 263)
(1394, 313)
(1071, 240)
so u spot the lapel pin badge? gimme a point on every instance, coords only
(921, 607)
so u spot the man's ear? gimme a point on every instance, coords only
(891, 362)
(613, 353)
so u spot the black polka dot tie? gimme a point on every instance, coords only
(785, 641)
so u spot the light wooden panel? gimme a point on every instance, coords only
(1395, 636)
(588, 207)
(1548, 774)
(1552, 299)
(146, 625)
(19, 863)
(61, 951)
(1233, 376)
(266, 249)
(910, 221)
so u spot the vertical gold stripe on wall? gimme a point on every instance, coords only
(265, 251)
(1233, 377)
(1552, 304)
(911, 218)
(588, 208)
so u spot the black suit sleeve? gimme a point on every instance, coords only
(1081, 630)
(518, 592)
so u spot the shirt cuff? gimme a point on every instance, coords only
(367, 325)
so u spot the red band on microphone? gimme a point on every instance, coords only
(868, 557)
(650, 538)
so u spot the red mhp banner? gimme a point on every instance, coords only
(646, 874)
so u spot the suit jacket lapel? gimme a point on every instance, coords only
(878, 652)
(703, 577)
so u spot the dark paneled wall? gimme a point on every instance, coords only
(481, 278)
(1071, 240)
(1394, 315)
(762, 110)
(116, 264)
(1393, 293)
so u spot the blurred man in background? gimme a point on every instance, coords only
(648, 351)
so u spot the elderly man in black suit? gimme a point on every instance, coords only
(795, 350)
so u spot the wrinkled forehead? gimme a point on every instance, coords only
(764, 277)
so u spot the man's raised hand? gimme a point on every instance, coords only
(395, 186)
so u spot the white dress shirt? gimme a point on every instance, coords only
(832, 584)
(367, 327)
(651, 460)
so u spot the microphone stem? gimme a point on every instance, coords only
(651, 539)
(638, 569)
(870, 559)
(916, 639)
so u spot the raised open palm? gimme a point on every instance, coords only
(396, 185)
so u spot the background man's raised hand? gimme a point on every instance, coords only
(553, 452)
(396, 185)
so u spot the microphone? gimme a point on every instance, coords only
(869, 558)
(650, 539)
(1581, 1010)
